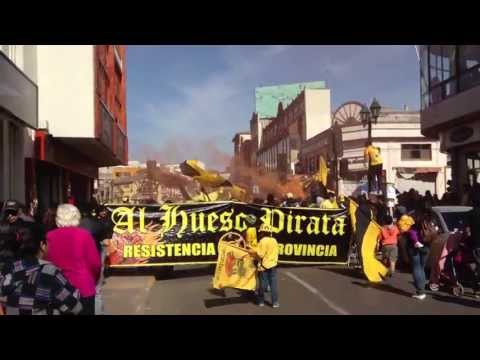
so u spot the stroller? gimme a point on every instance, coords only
(458, 271)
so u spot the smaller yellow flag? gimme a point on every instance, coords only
(235, 268)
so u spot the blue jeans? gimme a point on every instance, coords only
(268, 277)
(417, 258)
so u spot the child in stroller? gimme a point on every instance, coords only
(455, 266)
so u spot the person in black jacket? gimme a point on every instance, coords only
(10, 225)
(90, 223)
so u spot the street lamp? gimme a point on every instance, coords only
(369, 115)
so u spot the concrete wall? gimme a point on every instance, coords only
(391, 152)
(318, 113)
(66, 98)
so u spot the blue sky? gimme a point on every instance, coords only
(187, 102)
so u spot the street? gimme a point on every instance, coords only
(303, 291)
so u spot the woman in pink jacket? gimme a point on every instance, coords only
(73, 250)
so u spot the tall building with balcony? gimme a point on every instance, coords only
(82, 122)
(450, 106)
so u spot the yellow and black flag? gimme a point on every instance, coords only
(366, 232)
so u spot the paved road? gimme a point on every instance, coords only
(303, 291)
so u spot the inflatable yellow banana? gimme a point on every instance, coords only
(366, 232)
(196, 170)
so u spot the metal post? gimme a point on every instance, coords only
(369, 129)
(369, 137)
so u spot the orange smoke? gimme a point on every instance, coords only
(270, 182)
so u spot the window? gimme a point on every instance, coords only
(469, 63)
(469, 57)
(446, 70)
(416, 152)
(442, 69)
(442, 62)
(424, 76)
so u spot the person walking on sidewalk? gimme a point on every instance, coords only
(73, 250)
(32, 286)
(267, 253)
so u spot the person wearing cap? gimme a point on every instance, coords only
(267, 254)
(10, 225)
(330, 203)
(404, 223)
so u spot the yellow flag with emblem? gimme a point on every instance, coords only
(235, 268)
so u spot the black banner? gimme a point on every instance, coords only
(188, 233)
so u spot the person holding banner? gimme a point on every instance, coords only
(267, 253)
(330, 203)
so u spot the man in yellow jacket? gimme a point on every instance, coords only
(267, 254)
(330, 203)
(375, 166)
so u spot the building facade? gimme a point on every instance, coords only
(450, 106)
(242, 146)
(129, 184)
(82, 119)
(306, 116)
(267, 102)
(18, 119)
(411, 160)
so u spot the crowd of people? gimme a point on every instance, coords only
(409, 229)
(417, 235)
(328, 200)
(52, 264)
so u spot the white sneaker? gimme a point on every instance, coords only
(419, 296)
(276, 305)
